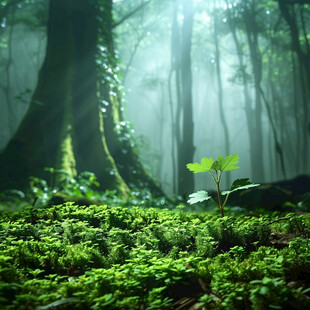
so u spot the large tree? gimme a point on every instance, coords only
(64, 127)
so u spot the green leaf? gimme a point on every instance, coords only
(240, 184)
(59, 303)
(198, 197)
(264, 290)
(205, 166)
(226, 164)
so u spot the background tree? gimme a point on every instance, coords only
(22, 39)
(182, 120)
(216, 25)
(294, 14)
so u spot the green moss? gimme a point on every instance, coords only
(101, 257)
(115, 107)
(110, 164)
(67, 159)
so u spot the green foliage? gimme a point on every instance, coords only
(96, 257)
(256, 281)
(81, 186)
(238, 185)
(226, 164)
(221, 164)
(216, 168)
(82, 189)
(205, 166)
(199, 197)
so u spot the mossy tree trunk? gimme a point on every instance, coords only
(64, 127)
(117, 131)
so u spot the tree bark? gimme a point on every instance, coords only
(117, 134)
(63, 127)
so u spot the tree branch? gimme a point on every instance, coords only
(128, 15)
(280, 219)
(5, 10)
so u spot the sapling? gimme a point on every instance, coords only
(216, 168)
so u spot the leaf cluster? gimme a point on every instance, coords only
(216, 168)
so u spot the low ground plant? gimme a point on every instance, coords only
(216, 168)
(100, 257)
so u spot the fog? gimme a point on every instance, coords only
(147, 95)
(26, 50)
(143, 32)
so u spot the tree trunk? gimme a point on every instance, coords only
(176, 58)
(252, 36)
(186, 178)
(249, 111)
(6, 80)
(304, 68)
(63, 127)
(296, 98)
(220, 90)
(117, 134)
(173, 156)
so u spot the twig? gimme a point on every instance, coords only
(130, 14)
(280, 219)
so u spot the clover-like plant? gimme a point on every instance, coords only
(216, 168)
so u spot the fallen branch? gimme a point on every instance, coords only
(280, 219)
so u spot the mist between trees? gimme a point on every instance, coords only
(174, 80)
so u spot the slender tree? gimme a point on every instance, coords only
(186, 150)
(249, 110)
(220, 85)
(252, 31)
(176, 58)
(182, 123)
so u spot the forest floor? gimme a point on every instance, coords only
(100, 251)
(109, 257)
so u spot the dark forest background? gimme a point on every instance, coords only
(134, 90)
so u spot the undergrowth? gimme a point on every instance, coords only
(100, 257)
